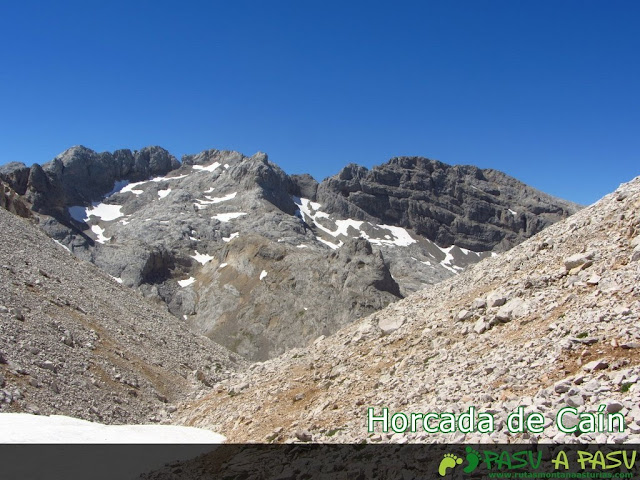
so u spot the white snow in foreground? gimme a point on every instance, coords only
(263, 274)
(230, 237)
(513, 213)
(164, 193)
(103, 211)
(187, 282)
(117, 279)
(209, 168)
(222, 265)
(202, 257)
(26, 428)
(225, 217)
(210, 190)
(100, 238)
(302, 246)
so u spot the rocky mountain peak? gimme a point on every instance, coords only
(208, 157)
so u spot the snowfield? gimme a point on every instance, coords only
(66, 447)
(58, 429)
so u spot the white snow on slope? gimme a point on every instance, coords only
(58, 429)
(332, 245)
(397, 236)
(63, 246)
(202, 257)
(99, 234)
(263, 274)
(448, 259)
(343, 226)
(222, 265)
(164, 193)
(380, 235)
(131, 187)
(117, 186)
(225, 198)
(230, 237)
(211, 200)
(187, 282)
(209, 168)
(210, 190)
(513, 213)
(225, 217)
(103, 211)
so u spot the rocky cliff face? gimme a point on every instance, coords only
(476, 209)
(262, 261)
(554, 322)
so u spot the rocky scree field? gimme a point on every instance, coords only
(75, 342)
(553, 322)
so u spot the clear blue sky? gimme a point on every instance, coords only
(547, 91)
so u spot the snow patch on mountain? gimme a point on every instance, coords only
(202, 258)
(103, 211)
(230, 237)
(209, 168)
(186, 282)
(225, 217)
(100, 238)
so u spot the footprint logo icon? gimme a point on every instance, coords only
(448, 462)
(473, 460)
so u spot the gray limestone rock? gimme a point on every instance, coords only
(262, 261)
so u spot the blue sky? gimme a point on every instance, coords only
(547, 91)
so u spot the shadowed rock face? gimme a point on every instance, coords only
(462, 205)
(262, 261)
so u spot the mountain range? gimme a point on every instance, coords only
(261, 261)
(116, 289)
